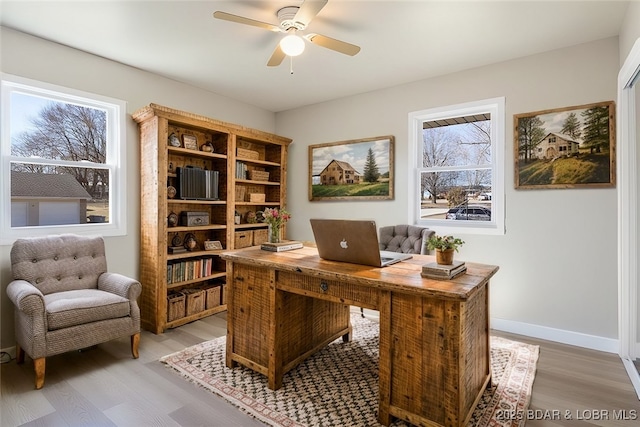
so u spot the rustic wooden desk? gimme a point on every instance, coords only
(434, 335)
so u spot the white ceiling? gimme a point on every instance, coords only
(401, 41)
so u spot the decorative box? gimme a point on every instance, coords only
(194, 218)
(257, 197)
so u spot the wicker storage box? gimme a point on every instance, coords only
(175, 306)
(257, 175)
(257, 197)
(243, 239)
(213, 296)
(247, 154)
(195, 301)
(240, 192)
(260, 236)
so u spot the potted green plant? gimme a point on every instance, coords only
(444, 247)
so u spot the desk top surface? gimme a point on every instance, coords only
(401, 277)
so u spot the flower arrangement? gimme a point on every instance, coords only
(442, 243)
(275, 218)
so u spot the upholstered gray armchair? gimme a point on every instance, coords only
(409, 239)
(66, 300)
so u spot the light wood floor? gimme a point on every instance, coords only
(104, 386)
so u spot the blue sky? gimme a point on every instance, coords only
(23, 109)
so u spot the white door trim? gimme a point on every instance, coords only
(627, 174)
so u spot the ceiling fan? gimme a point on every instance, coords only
(293, 19)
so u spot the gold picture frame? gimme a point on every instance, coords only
(571, 147)
(359, 169)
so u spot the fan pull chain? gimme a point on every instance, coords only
(291, 65)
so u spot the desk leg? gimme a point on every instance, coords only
(229, 289)
(384, 382)
(276, 310)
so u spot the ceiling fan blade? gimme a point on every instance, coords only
(277, 57)
(242, 20)
(333, 44)
(308, 10)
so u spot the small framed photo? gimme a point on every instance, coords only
(212, 245)
(190, 142)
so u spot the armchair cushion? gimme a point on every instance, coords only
(72, 308)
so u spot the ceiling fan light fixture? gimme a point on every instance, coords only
(292, 45)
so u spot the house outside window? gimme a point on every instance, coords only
(456, 182)
(61, 162)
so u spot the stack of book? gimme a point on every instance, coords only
(443, 272)
(286, 245)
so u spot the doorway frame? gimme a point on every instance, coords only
(627, 169)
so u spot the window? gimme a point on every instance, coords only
(456, 181)
(62, 164)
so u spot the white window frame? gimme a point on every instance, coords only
(115, 161)
(493, 106)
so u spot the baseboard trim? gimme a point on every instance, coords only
(578, 339)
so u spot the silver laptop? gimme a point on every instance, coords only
(354, 241)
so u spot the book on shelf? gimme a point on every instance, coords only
(444, 272)
(286, 245)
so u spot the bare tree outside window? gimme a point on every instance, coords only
(456, 159)
(49, 185)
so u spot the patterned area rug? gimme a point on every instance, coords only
(339, 384)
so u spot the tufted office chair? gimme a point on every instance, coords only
(66, 300)
(409, 239)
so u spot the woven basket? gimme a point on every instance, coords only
(195, 301)
(175, 306)
(257, 175)
(247, 154)
(260, 236)
(213, 296)
(243, 239)
(240, 192)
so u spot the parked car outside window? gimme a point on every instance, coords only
(471, 213)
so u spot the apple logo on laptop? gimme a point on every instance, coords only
(343, 244)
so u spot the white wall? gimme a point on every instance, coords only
(630, 30)
(558, 258)
(38, 59)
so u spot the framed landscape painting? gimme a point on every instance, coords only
(570, 147)
(360, 169)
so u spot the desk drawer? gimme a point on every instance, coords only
(348, 293)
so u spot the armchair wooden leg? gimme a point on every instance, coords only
(19, 354)
(135, 342)
(38, 366)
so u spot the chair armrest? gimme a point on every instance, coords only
(26, 297)
(121, 285)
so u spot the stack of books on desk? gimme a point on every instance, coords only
(443, 272)
(286, 245)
